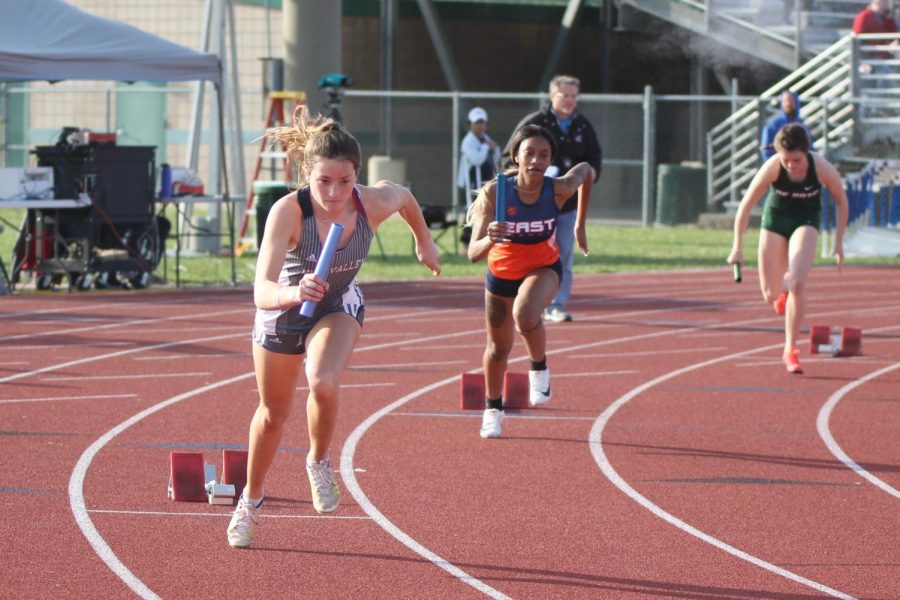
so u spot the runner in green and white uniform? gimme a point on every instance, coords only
(794, 177)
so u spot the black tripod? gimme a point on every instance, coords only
(335, 95)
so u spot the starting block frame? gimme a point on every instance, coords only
(844, 342)
(192, 480)
(472, 391)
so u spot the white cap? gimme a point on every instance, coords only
(477, 114)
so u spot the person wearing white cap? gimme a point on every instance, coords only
(480, 156)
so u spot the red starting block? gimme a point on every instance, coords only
(472, 391)
(515, 390)
(190, 480)
(234, 469)
(845, 342)
(187, 480)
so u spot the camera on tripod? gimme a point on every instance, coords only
(333, 84)
(335, 80)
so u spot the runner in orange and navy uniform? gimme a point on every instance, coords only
(531, 244)
(524, 270)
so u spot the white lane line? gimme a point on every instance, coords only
(76, 481)
(67, 398)
(44, 314)
(350, 385)
(349, 476)
(412, 348)
(349, 449)
(595, 442)
(118, 354)
(118, 324)
(76, 496)
(226, 515)
(148, 328)
(115, 377)
(414, 364)
(651, 352)
(476, 414)
(195, 356)
(76, 488)
(594, 374)
(835, 448)
(73, 345)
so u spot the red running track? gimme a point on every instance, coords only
(677, 458)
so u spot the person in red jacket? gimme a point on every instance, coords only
(875, 18)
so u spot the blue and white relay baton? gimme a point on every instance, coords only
(500, 199)
(324, 265)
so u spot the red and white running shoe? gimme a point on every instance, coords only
(792, 361)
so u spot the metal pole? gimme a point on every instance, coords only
(855, 92)
(439, 40)
(217, 27)
(565, 28)
(388, 36)
(710, 193)
(649, 155)
(732, 192)
(236, 117)
(798, 33)
(193, 141)
(454, 127)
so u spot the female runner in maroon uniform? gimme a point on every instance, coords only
(328, 158)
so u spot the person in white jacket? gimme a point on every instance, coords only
(480, 156)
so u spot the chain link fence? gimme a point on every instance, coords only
(644, 137)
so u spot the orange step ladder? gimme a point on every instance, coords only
(276, 116)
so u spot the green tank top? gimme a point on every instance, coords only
(796, 196)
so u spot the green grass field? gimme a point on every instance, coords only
(613, 249)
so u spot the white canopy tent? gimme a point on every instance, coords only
(54, 41)
(51, 40)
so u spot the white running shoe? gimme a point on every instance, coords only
(557, 315)
(242, 528)
(538, 387)
(326, 495)
(492, 423)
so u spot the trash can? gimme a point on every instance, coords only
(680, 193)
(205, 235)
(266, 193)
